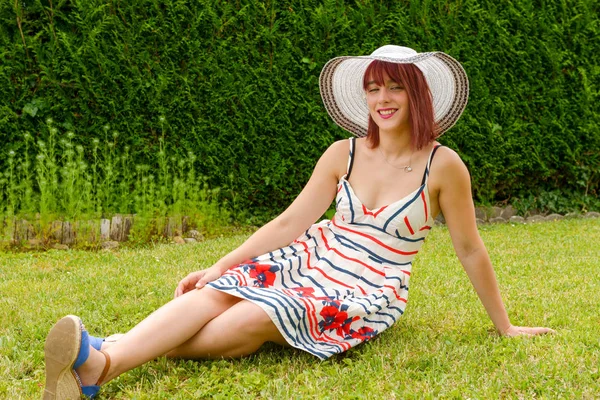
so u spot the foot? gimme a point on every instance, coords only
(67, 348)
(61, 351)
(92, 369)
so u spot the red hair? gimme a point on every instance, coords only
(423, 126)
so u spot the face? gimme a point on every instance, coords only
(388, 105)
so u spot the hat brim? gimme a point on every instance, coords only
(342, 92)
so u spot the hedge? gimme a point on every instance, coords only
(236, 83)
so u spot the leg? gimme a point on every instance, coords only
(239, 331)
(165, 329)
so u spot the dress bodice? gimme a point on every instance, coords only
(400, 226)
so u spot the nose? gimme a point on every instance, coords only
(383, 95)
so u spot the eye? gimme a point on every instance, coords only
(373, 90)
(396, 88)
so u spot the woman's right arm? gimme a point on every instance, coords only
(311, 203)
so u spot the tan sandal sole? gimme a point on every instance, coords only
(60, 353)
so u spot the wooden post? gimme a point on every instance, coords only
(116, 228)
(20, 233)
(169, 225)
(56, 231)
(68, 233)
(104, 229)
(127, 224)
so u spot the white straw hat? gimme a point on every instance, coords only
(341, 85)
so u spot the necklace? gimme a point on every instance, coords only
(406, 168)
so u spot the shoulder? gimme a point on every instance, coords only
(335, 158)
(447, 157)
(447, 161)
(337, 151)
(448, 169)
(340, 146)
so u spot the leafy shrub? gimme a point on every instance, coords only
(236, 83)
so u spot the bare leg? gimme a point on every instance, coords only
(239, 331)
(165, 329)
(244, 324)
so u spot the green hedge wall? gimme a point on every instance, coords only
(237, 84)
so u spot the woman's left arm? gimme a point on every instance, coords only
(456, 203)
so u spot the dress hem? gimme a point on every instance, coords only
(234, 292)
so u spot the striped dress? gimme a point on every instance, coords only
(344, 280)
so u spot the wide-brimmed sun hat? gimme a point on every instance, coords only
(341, 85)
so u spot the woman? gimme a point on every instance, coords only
(329, 286)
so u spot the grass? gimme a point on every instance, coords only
(443, 347)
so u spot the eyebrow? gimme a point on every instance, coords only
(391, 80)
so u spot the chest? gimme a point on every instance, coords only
(377, 186)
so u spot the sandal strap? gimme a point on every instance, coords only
(106, 368)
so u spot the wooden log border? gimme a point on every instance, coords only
(17, 231)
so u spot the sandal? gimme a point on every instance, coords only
(67, 348)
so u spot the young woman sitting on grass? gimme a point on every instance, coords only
(328, 286)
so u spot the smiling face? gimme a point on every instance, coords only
(388, 104)
(399, 100)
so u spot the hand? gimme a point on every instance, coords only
(197, 280)
(525, 331)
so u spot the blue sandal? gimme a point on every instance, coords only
(67, 348)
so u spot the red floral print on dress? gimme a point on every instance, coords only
(364, 333)
(263, 274)
(305, 291)
(336, 319)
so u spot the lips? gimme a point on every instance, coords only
(386, 113)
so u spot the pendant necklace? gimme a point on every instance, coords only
(406, 168)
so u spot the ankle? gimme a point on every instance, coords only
(91, 371)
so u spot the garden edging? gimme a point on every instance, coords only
(109, 233)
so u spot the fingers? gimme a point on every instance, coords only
(210, 275)
(202, 281)
(197, 280)
(538, 331)
(528, 331)
(187, 283)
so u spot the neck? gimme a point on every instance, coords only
(395, 145)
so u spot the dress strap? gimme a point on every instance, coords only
(350, 157)
(426, 173)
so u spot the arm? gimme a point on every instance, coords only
(311, 203)
(456, 203)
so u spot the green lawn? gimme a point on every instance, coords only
(444, 346)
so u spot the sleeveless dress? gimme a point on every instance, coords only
(344, 280)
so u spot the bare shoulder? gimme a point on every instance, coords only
(340, 147)
(447, 162)
(447, 168)
(445, 157)
(335, 158)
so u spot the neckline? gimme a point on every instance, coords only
(423, 187)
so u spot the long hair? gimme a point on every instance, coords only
(423, 127)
